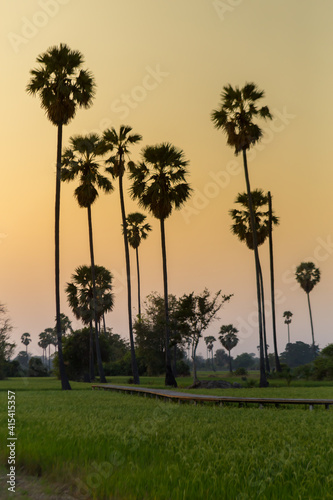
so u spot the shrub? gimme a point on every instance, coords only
(241, 371)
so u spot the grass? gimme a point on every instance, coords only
(106, 445)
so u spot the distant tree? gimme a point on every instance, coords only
(308, 275)
(118, 143)
(63, 86)
(194, 315)
(229, 340)
(236, 117)
(23, 359)
(298, 353)
(221, 358)
(26, 339)
(246, 360)
(137, 230)
(288, 315)
(6, 347)
(159, 184)
(209, 341)
(43, 344)
(323, 364)
(36, 367)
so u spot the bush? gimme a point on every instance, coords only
(241, 371)
(36, 368)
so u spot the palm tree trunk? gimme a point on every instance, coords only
(104, 324)
(63, 376)
(169, 376)
(263, 379)
(312, 332)
(98, 351)
(91, 353)
(138, 274)
(135, 371)
(271, 260)
(288, 335)
(263, 318)
(230, 367)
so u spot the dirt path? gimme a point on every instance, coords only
(33, 488)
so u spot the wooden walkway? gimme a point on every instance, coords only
(181, 397)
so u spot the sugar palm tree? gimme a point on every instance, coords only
(81, 160)
(62, 86)
(236, 117)
(137, 231)
(81, 299)
(288, 315)
(229, 340)
(159, 184)
(308, 275)
(242, 228)
(26, 339)
(209, 341)
(118, 144)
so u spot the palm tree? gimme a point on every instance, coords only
(81, 300)
(118, 144)
(288, 316)
(308, 275)
(81, 160)
(137, 231)
(43, 343)
(229, 340)
(209, 341)
(235, 117)
(26, 339)
(159, 183)
(62, 86)
(242, 228)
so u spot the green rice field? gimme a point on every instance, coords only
(106, 445)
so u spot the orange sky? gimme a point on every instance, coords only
(160, 67)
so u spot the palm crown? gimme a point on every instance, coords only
(236, 113)
(61, 83)
(159, 181)
(242, 219)
(136, 229)
(81, 160)
(118, 143)
(307, 275)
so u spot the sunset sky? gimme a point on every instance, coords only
(160, 66)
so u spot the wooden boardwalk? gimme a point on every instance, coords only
(181, 397)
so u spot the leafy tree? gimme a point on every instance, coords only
(36, 367)
(288, 315)
(241, 227)
(246, 360)
(297, 354)
(150, 332)
(194, 315)
(308, 275)
(80, 296)
(26, 339)
(81, 160)
(23, 360)
(209, 340)
(62, 86)
(118, 144)
(159, 184)
(221, 358)
(137, 230)
(323, 364)
(229, 340)
(6, 347)
(236, 117)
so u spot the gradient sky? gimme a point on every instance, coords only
(160, 66)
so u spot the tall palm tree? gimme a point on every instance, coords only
(137, 231)
(308, 275)
(209, 341)
(229, 340)
(288, 315)
(62, 86)
(159, 184)
(235, 116)
(26, 339)
(81, 299)
(118, 144)
(81, 160)
(242, 228)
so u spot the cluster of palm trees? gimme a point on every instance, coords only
(159, 184)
